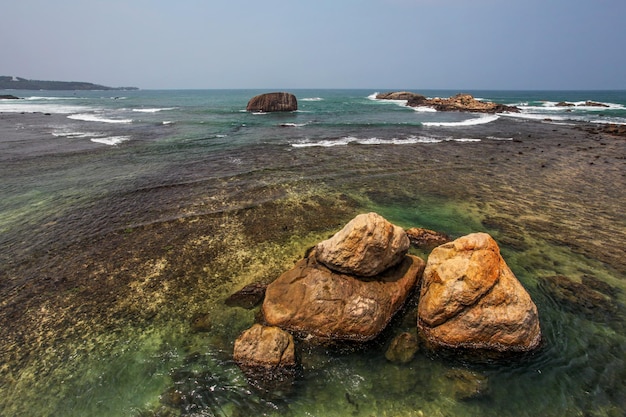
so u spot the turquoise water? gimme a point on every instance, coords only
(124, 218)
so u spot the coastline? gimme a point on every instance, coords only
(138, 263)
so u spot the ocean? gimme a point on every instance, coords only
(128, 217)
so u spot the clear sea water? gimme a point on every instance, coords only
(127, 216)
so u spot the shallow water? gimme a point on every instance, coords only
(110, 254)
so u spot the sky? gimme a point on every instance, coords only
(390, 44)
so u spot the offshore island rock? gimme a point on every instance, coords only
(459, 102)
(273, 102)
(470, 299)
(366, 246)
(318, 303)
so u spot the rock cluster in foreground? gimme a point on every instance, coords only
(349, 287)
(471, 299)
(459, 102)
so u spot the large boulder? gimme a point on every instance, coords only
(426, 239)
(325, 305)
(366, 246)
(273, 102)
(470, 299)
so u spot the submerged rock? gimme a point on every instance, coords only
(326, 305)
(366, 246)
(580, 298)
(470, 299)
(468, 385)
(248, 297)
(273, 102)
(402, 348)
(425, 238)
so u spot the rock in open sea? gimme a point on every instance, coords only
(366, 246)
(471, 299)
(272, 102)
(314, 301)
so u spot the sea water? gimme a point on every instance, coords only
(129, 215)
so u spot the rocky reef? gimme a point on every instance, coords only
(459, 102)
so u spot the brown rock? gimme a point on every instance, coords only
(565, 104)
(400, 95)
(470, 299)
(425, 238)
(268, 347)
(273, 102)
(366, 246)
(459, 102)
(315, 301)
(468, 385)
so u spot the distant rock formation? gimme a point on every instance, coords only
(459, 102)
(8, 97)
(18, 83)
(273, 102)
(470, 299)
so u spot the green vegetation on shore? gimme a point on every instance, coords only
(17, 83)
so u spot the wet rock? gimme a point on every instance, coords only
(425, 238)
(366, 246)
(402, 348)
(248, 297)
(8, 97)
(471, 299)
(579, 298)
(595, 104)
(262, 346)
(267, 357)
(565, 104)
(468, 385)
(273, 102)
(325, 305)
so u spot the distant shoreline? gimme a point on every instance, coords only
(18, 83)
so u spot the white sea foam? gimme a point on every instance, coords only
(20, 106)
(155, 110)
(111, 140)
(372, 141)
(167, 122)
(469, 122)
(89, 117)
(424, 109)
(498, 138)
(312, 99)
(71, 134)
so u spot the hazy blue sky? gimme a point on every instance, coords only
(404, 44)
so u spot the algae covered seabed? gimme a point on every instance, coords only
(112, 291)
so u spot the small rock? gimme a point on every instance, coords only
(201, 322)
